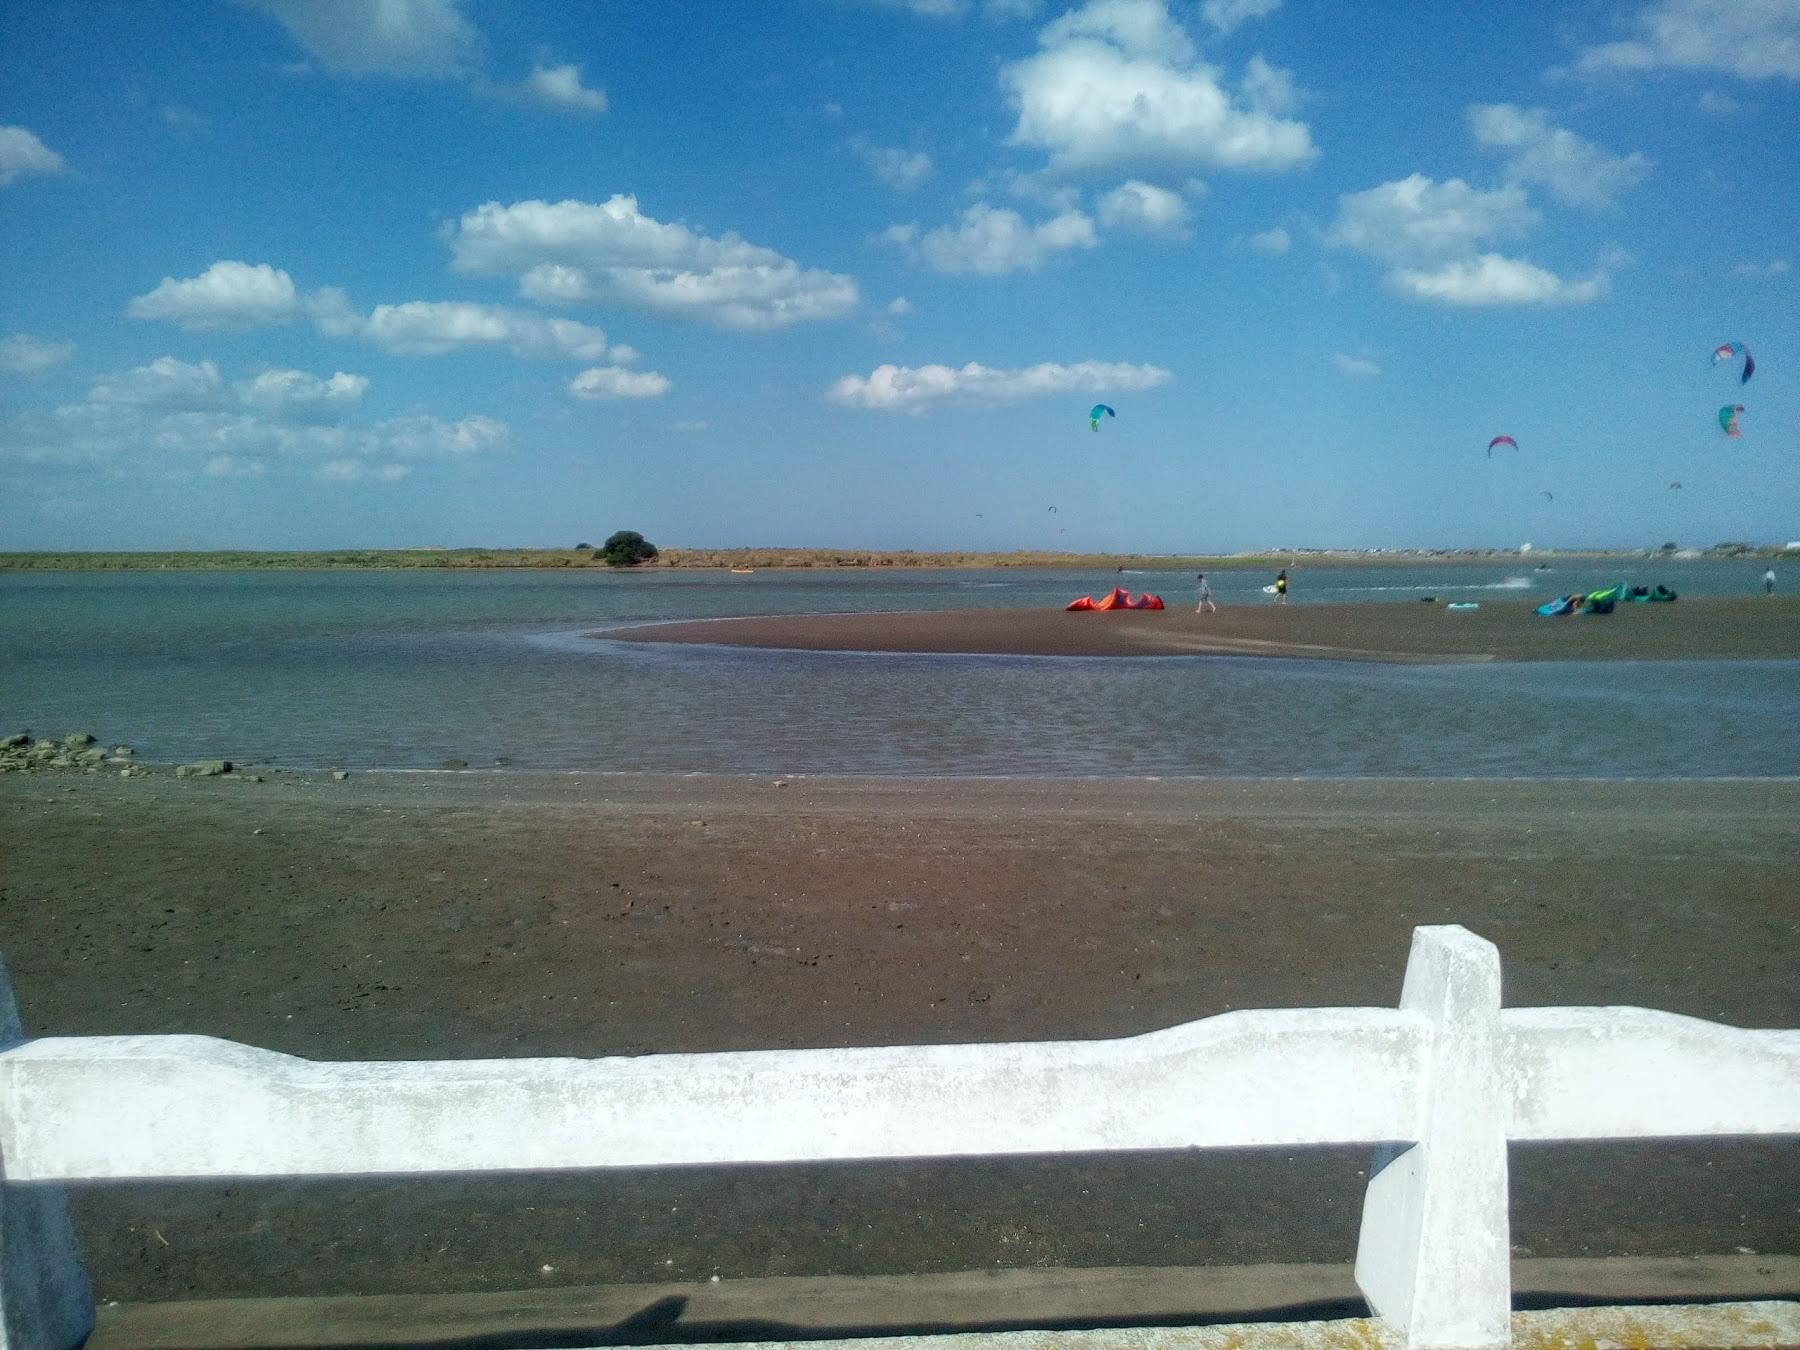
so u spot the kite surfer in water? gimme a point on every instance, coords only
(1281, 587)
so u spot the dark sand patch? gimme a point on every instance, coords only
(1506, 630)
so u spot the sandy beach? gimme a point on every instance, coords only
(464, 915)
(1507, 630)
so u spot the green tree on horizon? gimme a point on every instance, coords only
(626, 548)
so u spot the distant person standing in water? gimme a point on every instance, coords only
(1281, 587)
(1769, 582)
(1206, 601)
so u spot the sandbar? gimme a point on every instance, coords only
(1766, 628)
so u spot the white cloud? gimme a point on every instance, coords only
(1752, 39)
(1576, 171)
(356, 471)
(1142, 208)
(955, 9)
(1269, 89)
(1228, 15)
(575, 251)
(1722, 105)
(380, 37)
(226, 295)
(296, 394)
(1276, 240)
(991, 241)
(234, 466)
(434, 327)
(1359, 366)
(1135, 27)
(1430, 234)
(891, 388)
(614, 382)
(164, 383)
(693, 424)
(1490, 281)
(1775, 267)
(1117, 87)
(560, 87)
(170, 413)
(900, 306)
(902, 170)
(23, 354)
(1416, 217)
(183, 121)
(21, 153)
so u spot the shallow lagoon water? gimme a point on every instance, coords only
(411, 669)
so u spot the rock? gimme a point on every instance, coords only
(456, 764)
(90, 756)
(78, 738)
(123, 751)
(61, 762)
(16, 739)
(339, 775)
(204, 768)
(124, 773)
(182, 771)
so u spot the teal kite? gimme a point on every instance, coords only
(1728, 416)
(1098, 411)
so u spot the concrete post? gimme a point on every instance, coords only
(46, 1302)
(1434, 1254)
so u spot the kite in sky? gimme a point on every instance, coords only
(1674, 487)
(1501, 440)
(1726, 350)
(1728, 416)
(1098, 411)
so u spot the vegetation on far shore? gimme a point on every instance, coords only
(776, 558)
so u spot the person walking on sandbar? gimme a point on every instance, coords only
(1281, 587)
(1769, 582)
(1206, 601)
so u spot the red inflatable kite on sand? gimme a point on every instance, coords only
(1119, 599)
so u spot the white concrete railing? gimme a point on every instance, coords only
(1448, 1073)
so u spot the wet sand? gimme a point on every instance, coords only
(1504, 630)
(460, 915)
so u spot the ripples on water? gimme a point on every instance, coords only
(389, 669)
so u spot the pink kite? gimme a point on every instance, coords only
(1120, 598)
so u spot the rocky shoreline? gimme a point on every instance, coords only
(82, 752)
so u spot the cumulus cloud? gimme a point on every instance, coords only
(1775, 267)
(1490, 280)
(614, 382)
(572, 252)
(1720, 105)
(434, 327)
(1359, 366)
(175, 414)
(991, 241)
(1228, 15)
(890, 388)
(1116, 86)
(1432, 236)
(1751, 39)
(560, 87)
(1138, 207)
(902, 170)
(955, 9)
(23, 354)
(425, 38)
(21, 153)
(294, 393)
(900, 306)
(226, 295)
(1276, 240)
(164, 383)
(1575, 171)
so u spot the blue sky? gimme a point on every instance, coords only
(323, 273)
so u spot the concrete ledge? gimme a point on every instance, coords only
(956, 1310)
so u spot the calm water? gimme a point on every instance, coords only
(400, 669)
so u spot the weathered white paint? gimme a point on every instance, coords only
(1434, 1248)
(1448, 1074)
(45, 1297)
